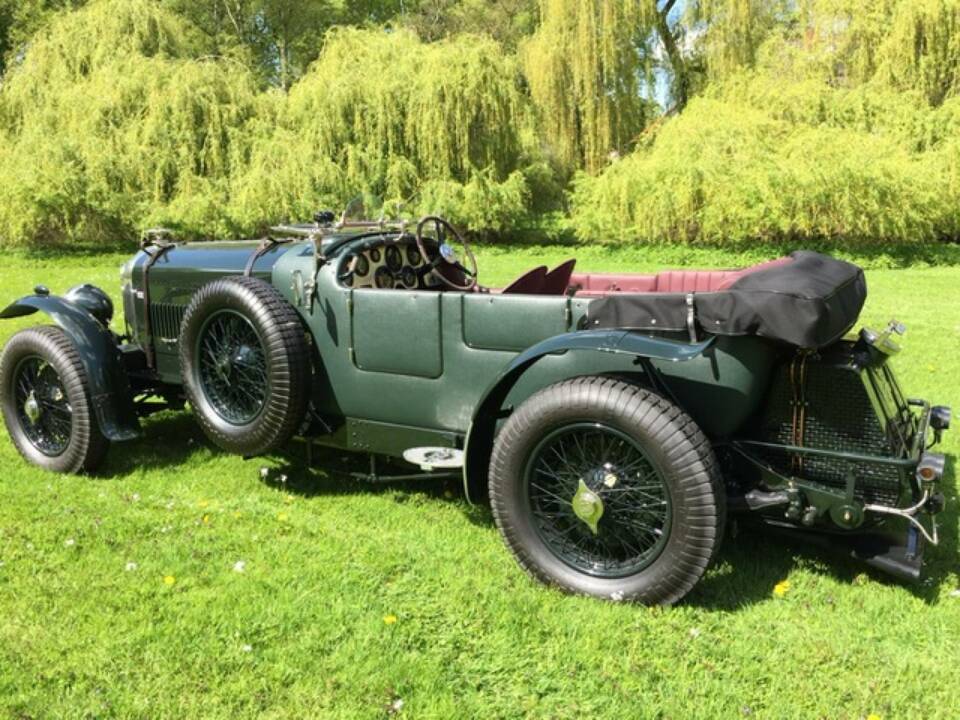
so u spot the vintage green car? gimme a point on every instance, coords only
(614, 421)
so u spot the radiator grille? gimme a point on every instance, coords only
(165, 320)
(839, 417)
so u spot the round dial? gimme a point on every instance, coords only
(383, 278)
(361, 266)
(375, 255)
(413, 255)
(394, 258)
(408, 277)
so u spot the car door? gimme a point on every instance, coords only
(397, 331)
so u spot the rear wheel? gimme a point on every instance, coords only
(603, 488)
(45, 396)
(245, 364)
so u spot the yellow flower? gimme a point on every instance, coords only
(389, 619)
(781, 588)
(236, 514)
(873, 716)
(169, 580)
(282, 517)
(203, 503)
(206, 519)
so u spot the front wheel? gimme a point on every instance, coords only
(45, 396)
(603, 488)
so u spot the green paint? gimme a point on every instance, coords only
(588, 506)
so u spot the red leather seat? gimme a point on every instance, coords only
(558, 279)
(667, 281)
(530, 283)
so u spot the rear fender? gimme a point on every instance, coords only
(479, 442)
(109, 387)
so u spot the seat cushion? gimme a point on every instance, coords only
(687, 281)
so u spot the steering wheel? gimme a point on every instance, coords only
(446, 254)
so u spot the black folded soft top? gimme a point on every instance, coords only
(810, 301)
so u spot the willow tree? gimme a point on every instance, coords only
(584, 66)
(835, 125)
(384, 114)
(109, 124)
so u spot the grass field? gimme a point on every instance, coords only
(178, 584)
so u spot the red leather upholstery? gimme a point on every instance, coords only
(530, 283)
(668, 281)
(614, 282)
(684, 281)
(558, 279)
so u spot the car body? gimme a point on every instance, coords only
(735, 392)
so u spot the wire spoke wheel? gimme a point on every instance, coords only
(43, 410)
(597, 501)
(246, 365)
(601, 487)
(232, 367)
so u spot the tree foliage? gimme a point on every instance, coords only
(583, 66)
(108, 124)
(440, 124)
(698, 121)
(831, 123)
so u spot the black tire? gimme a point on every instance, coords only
(272, 360)
(65, 436)
(624, 418)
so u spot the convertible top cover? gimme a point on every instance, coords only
(809, 301)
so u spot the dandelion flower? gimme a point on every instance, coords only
(389, 619)
(169, 580)
(781, 588)
(206, 519)
(873, 716)
(282, 517)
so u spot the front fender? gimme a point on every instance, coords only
(109, 387)
(479, 439)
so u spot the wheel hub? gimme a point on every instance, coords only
(224, 367)
(31, 408)
(588, 506)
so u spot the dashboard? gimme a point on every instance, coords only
(388, 264)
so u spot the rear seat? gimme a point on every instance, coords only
(668, 281)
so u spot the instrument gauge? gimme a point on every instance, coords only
(375, 255)
(408, 277)
(361, 266)
(393, 258)
(383, 278)
(413, 255)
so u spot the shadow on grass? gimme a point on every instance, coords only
(751, 562)
(169, 441)
(749, 565)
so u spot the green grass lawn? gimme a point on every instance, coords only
(179, 584)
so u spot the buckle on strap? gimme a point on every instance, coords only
(691, 318)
